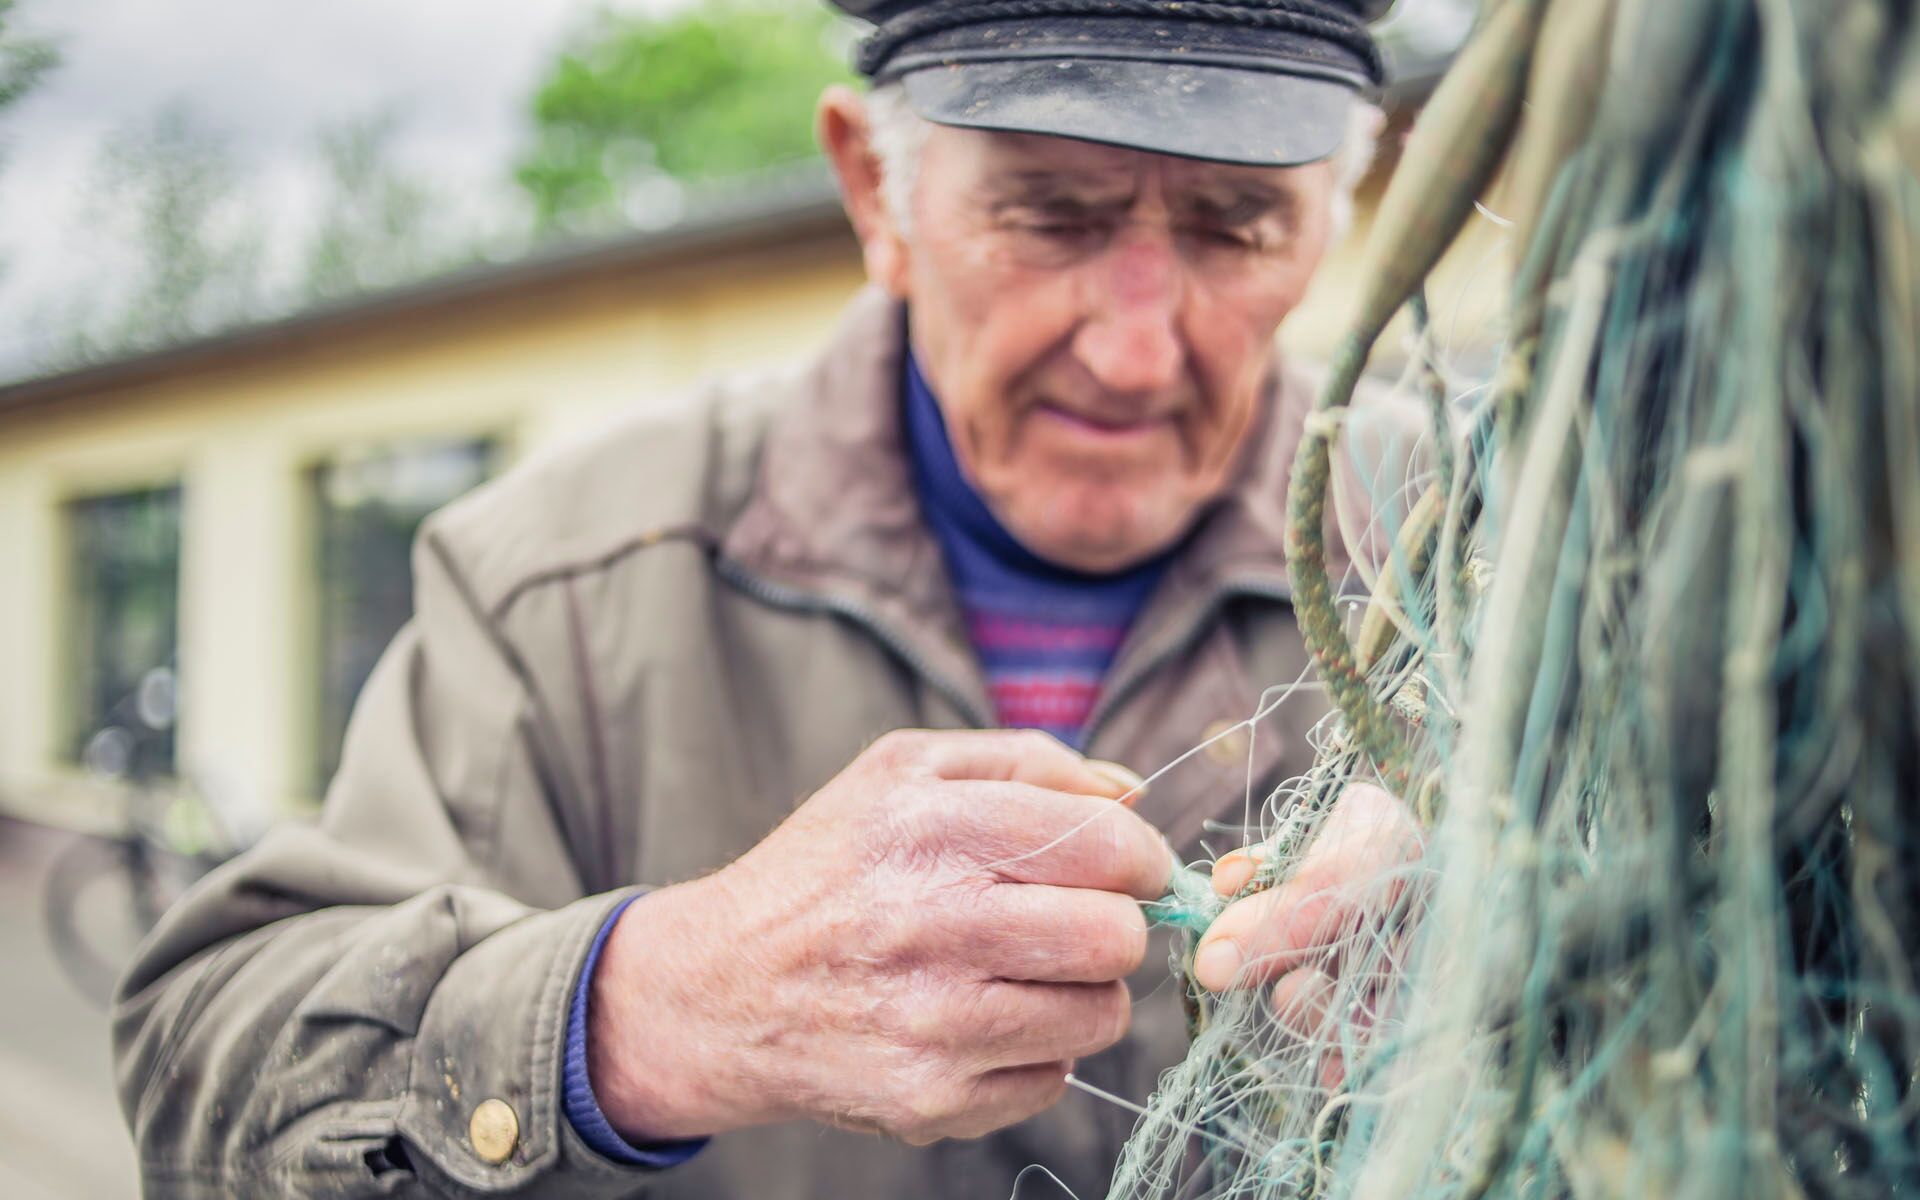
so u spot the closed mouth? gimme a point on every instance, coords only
(1102, 426)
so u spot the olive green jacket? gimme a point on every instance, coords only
(629, 660)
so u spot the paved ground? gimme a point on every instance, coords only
(60, 1129)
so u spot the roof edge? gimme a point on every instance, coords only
(801, 205)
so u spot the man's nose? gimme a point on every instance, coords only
(1130, 342)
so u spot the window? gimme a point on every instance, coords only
(368, 507)
(125, 571)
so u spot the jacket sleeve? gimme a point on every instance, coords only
(324, 1015)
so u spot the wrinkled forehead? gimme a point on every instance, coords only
(1041, 165)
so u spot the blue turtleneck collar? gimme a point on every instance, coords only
(980, 550)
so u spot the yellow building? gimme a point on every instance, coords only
(230, 507)
(253, 428)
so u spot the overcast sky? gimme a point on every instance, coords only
(266, 73)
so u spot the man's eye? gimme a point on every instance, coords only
(1064, 230)
(1226, 237)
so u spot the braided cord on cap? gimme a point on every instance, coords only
(1324, 19)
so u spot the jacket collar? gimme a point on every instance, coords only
(834, 514)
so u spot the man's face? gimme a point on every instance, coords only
(1098, 324)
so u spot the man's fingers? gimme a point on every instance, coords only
(1368, 830)
(1025, 756)
(1132, 786)
(1305, 919)
(1033, 835)
(1040, 933)
(1349, 878)
(1265, 936)
(1018, 1024)
(1300, 1002)
(1235, 870)
(1001, 1098)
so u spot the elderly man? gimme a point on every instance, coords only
(630, 881)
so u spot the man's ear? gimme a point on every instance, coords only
(847, 139)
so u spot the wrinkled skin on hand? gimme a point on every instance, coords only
(922, 949)
(1295, 935)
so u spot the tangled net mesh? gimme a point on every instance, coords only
(1644, 658)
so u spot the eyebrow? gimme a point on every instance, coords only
(1242, 203)
(1054, 191)
(1233, 203)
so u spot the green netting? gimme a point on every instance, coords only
(1645, 658)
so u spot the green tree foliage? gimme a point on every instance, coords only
(377, 222)
(166, 194)
(719, 89)
(188, 247)
(23, 61)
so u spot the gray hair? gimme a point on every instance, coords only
(899, 135)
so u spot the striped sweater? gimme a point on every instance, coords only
(1045, 635)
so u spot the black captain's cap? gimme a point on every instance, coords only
(1259, 82)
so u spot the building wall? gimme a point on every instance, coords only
(522, 369)
(242, 441)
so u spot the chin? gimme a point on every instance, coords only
(1098, 532)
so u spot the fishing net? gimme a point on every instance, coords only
(1643, 659)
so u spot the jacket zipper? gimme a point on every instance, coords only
(814, 602)
(1109, 701)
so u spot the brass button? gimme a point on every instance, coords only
(495, 1130)
(1230, 750)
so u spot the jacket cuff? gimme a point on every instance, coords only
(582, 1107)
(483, 1113)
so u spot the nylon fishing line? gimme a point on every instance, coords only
(1641, 652)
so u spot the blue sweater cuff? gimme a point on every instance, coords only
(581, 1105)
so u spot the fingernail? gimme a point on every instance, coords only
(1124, 777)
(1232, 873)
(1216, 965)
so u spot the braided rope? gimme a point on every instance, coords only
(1323, 19)
(1374, 729)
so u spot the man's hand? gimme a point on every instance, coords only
(1324, 922)
(921, 949)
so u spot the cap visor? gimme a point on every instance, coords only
(1220, 114)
